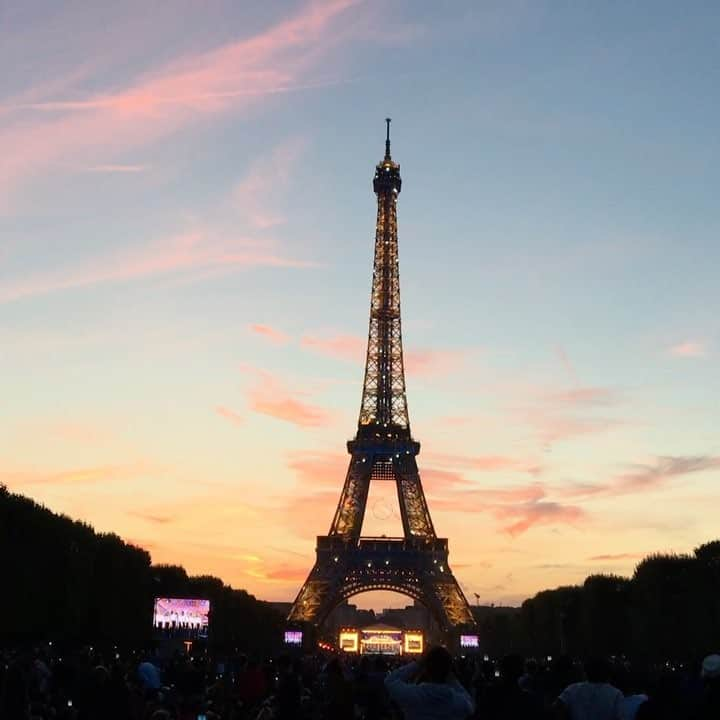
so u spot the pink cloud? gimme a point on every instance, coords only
(487, 499)
(688, 349)
(523, 517)
(269, 396)
(231, 415)
(584, 397)
(644, 477)
(162, 101)
(439, 481)
(117, 168)
(315, 469)
(194, 251)
(430, 363)
(289, 409)
(617, 556)
(519, 508)
(154, 518)
(284, 572)
(344, 347)
(270, 333)
(354, 348)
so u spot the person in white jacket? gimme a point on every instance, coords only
(429, 690)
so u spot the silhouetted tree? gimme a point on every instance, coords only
(62, 580)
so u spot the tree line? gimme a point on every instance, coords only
(669, 610)
(63, 581)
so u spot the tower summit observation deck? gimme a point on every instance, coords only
(383, 450)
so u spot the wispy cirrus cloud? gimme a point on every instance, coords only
(474, 499)
(279, 572)
(520, 518)
(278, 337)
(584, 397)
(519, 508)
(117, 168)
(616, 556)
(164, 100)
(688, 349)
(197, 251)
(288, 409)
(230, 415)
(268, 395)
(643, 477)
(342, 347)
(154, 518)
(431, 363)
(435, 480)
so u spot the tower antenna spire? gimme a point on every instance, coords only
(387, 139)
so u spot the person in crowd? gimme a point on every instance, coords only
(338, 703)
(14, 698)
(592, 699)
(632, 685)
(428, 690)
(709, 706)
(288, 692)
(149, 676)
(505, 699)
(251, 684)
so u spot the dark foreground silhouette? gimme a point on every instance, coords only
(48, 683)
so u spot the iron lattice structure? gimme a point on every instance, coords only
(383, 451)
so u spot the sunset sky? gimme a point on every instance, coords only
(186, 229)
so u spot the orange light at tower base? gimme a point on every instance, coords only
(413, 643)
(349, 640)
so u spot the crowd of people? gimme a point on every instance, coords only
(47, 684)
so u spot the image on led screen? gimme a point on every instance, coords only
(469, 641)
(293, 637)
(182, 615)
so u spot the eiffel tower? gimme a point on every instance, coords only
(383, 450)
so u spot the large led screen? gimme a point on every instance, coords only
(293, 637)
(181, 614)
(469, 641)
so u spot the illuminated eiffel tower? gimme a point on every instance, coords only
(383, 451)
